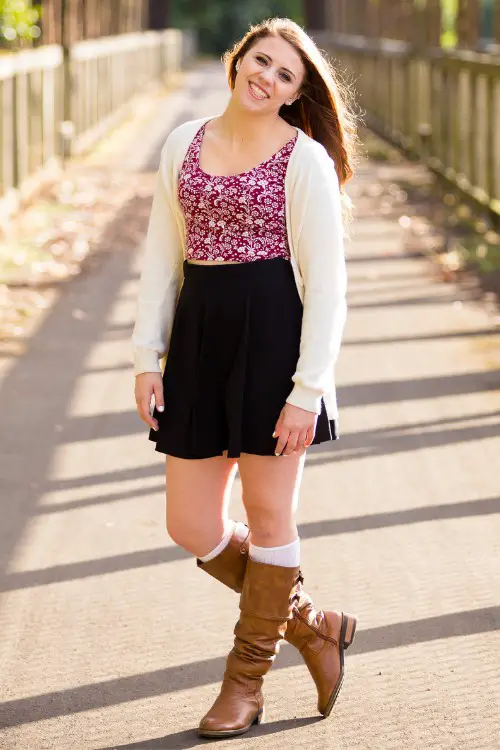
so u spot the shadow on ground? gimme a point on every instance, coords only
(189, 738)
(192, 675)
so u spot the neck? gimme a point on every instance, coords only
(242, 126)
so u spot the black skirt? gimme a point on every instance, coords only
(233, 350)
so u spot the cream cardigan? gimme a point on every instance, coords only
(315, 237)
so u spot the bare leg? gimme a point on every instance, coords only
(198, 493)
(270, 494)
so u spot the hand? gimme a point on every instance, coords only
(147, 384)
(295, 429)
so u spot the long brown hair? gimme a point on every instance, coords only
(322, 110)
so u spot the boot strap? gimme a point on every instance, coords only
(296, 613)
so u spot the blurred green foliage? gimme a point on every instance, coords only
(449, 36)
(220, 23)
(449, 15)
(19, 20)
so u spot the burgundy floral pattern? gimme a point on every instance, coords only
(238, 217)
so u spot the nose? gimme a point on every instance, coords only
(267, 76)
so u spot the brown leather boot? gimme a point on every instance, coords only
(267, 598)
(321, 637)
(229, 566)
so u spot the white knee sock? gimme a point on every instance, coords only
(229, 528)
(287, 556)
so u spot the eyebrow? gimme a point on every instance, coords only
(270, 58)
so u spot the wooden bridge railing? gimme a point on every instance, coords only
(442, 106)
(55, 104)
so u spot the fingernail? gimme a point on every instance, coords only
(276, 454)
(274, 434)
(160, 408)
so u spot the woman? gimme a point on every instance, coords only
(243, 284)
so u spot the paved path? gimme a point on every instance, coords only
(110, 637)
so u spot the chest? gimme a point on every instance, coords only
(215, 159)
(256, 196)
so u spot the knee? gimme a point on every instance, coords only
(194, 536)
(184, 532)
(268, 524)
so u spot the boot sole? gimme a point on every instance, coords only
(347, 632)
(258, 719)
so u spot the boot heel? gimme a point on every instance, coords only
(261, 716)
(348, 630)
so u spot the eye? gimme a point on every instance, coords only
(284, 76)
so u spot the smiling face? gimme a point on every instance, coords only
(270, 75)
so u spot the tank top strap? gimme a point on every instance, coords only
(193, 153)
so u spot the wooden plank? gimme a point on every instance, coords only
(7, 177)
(491, 162)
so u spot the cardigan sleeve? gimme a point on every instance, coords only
(161, 276)
(318, 232)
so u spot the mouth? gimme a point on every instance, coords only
(257, 92)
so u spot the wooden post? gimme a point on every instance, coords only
(350, 12)
(159, 14)
(114, 18)
(365, 20)
(434, 22)
(468, 23)
(337, 27)
(462, 23)
(66, 126)
(330, 12)
(372, 18)
(364, 25)
(314, 14)
(106, 18)
(473, 8)
(57, 21)
(344, 16)
(361, 12)
(131, 16)
(384, 18)
(83, 19)
(398, 30)
(408, 20)
(48, 22)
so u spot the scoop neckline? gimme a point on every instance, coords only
(238, 174)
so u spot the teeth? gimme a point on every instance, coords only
(258, 91)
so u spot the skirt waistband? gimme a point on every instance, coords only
(264, 271)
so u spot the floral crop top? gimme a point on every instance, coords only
(237, 217)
